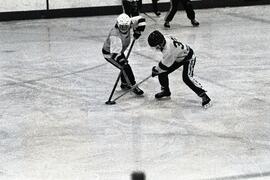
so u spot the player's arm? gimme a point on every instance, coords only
(164, 65)
(138, 25)
(160, 68)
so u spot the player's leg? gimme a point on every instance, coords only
(164, 81)
(192, 83)
(155, 7)
(119, 62)
(171, 13)
(190, 12)
(139, 6)
(126, 7)
(127, 77)
(134, 8)
(188, 78)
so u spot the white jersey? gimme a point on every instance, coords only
(173, 51)
(118, 42)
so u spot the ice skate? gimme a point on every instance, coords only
(195, 23)
(138, 91)
(125, 86)
(163, 94)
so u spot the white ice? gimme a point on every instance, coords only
(54, 81)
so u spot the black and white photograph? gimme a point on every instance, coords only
(135, 90)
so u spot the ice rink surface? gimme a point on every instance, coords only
(54, 81)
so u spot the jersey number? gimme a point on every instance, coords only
(177, 43)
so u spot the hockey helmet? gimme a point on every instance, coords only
(123, 23)
(156, 38)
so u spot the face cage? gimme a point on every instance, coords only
(123, 28)
(159, 46)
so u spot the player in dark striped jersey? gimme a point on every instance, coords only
(175, 55)
(116, 44)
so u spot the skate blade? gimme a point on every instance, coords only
(139, 96)
(207, 105)
(164, 98)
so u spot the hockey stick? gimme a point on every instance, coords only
(115, 84)
(132, 44)
(150, 17)
(133, 87)
(121, 71)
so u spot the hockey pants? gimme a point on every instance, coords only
(127, 76)
(187, 76)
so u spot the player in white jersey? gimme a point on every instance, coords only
(116, 44)
(175, 55)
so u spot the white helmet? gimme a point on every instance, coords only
(123, 22)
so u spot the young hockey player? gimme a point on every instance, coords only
(116, 44)
(175, 55)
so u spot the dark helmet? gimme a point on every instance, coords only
(155, 38)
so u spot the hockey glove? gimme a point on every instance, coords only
(123, 62)
(154, 71)
(120, 58)
(136, 35)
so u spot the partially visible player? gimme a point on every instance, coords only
(131, 7)
(116, 44)
(175, 55)
(189, 11)
(155, 7)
